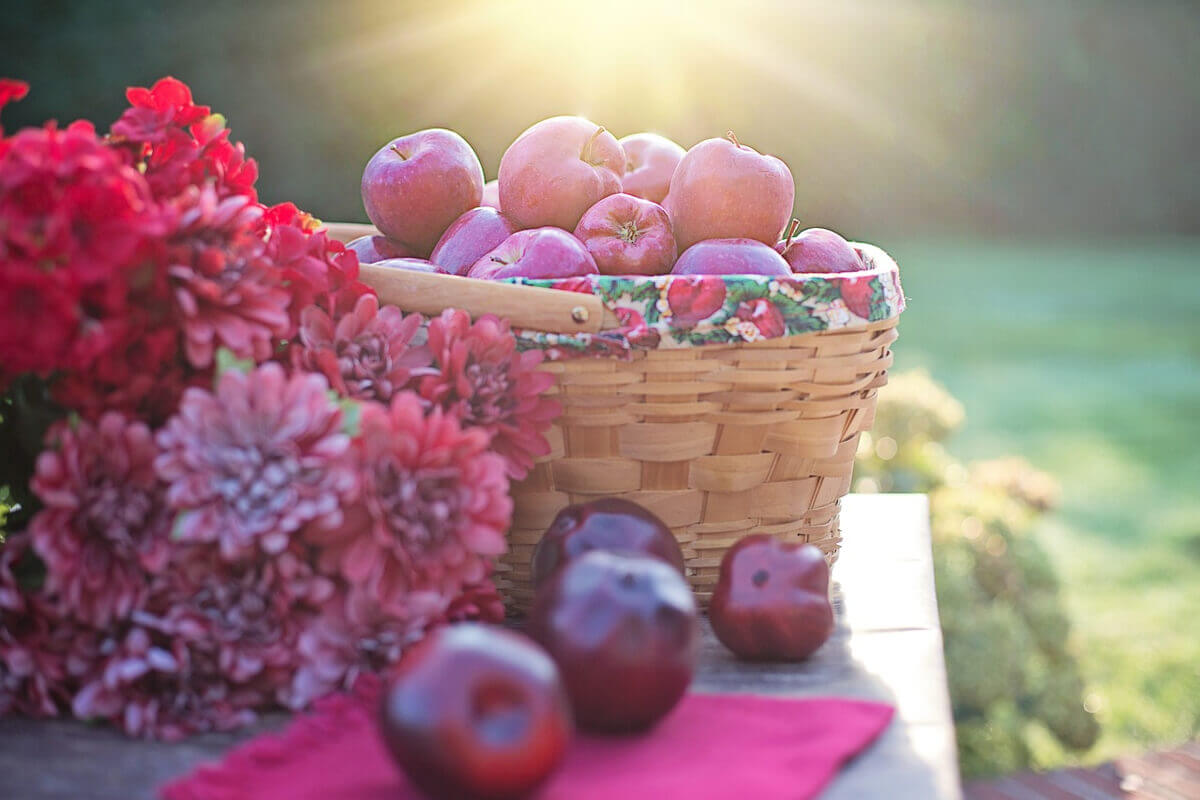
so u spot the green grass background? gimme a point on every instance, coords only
(1085, 359)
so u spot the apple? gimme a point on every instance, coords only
(491, 195)
(730, 257)
(536, 253)
(723, 189)
(413, 264)
(611, 524)
(558, 169)
(469, 238)
(627, 235)
(475, 711)
(771, 602)
(650, 161)
(818, 250)
(416, 185)
(624, 632)
(376, 248)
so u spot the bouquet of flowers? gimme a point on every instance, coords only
(232, 480)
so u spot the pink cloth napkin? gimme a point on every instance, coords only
(711, 746)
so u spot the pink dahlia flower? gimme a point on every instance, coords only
(105, 524)
(433, 506)
(250, 464)
(484, 380)
(367, 354)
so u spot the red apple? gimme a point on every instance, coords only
(609, 523)
(472, 236)
(623, 631)
(724, 190)
(771, 602)
(650, 161)
(475, 711)
(491, 195)
(376, 248)
(558, 169)
(628, 236)
(818, 250)
(536, 253)
(414, 264)
(416, 185)
(730, 257)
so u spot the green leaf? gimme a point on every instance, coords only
(177, 525)
(226, 361)
(351, 417)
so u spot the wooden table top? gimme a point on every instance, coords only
(887, 647)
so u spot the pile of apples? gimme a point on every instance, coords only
(477, 711)
(573, 200)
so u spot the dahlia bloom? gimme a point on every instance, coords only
(252, 463)
(479, 601)
(433, 505)
(367, 354)
(484, 381)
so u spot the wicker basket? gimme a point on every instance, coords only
(720, 441)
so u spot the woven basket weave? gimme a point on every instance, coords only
(720, 441)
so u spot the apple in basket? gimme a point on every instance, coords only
(536, 253)
(730, 257)
(723, 189)
(370, 249)
(611, 524)
(623, 630)
(650, 161)
(475, 711)
(818, 250)
(771, 602)
(416, 185)
(627, 235)
(558, 169)
(469, 238)
(491, 195)
(413, 264)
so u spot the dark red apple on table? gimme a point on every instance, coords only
(475, 711)
(730, 257)
(725, 190)
(491, 195)
(609, 523)
(558, 169)
(650, 161)
(771, 602)
(623, 630)
(370, 249)
(412, 264)
(536, 253)
(627, 235)
(416, 185)
(818, 250)
(471, 237)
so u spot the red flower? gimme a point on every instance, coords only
(168, 104)
(368, 354)
(857, 293)
(484, 381)
(765, 316)
(434, 505)
(105, 524)
(693, 298)
(11, 90)
(477, 601)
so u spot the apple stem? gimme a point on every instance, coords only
(729, 135)
(396, 150)
(586, 155)
(792, 229)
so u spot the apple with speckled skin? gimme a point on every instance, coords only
(472, 236)
(491, 195)
(628, 236)
(723, 189)
(558, 169)
(730, 257)
(818, 250)
(370, 249)
(536, 253)
(650, 161)
(416, 185)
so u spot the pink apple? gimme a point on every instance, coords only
(416, 185)
(472, 236)
(818, 250)
(558, 169)
(723, 189)
(414, 264)
(628, 236)
(536, 253)
(730, 257)
(491, 195)
(650, 161)
(376, 248)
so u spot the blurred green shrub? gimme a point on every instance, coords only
(1012, 674)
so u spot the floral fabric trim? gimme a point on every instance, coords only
(675, 311)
